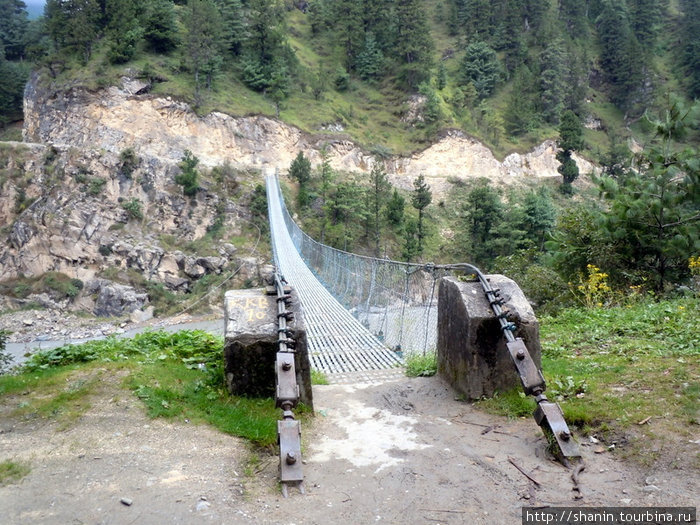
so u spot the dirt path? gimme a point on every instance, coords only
(400, 452)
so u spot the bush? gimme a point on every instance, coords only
(129, 162)
(133, 209)
(188, 179)
(5, 358)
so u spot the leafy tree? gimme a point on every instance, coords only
(482, 68)
(300, 170)
(13, 27)
(188, 177)
(570, 140)
(258, 207)
(378, 194)
(204, 42)
(160, 26)
(348, 211)
(420, 200)
(654, 212)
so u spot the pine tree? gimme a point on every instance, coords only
(552, 81)
(378, 193)
(233, 20)
(690, 47)
(300, 170)
(160, 26)
(370, 60)
(420, 200)
(73, 25)
(13, 27)
(414, 45)
(645, 17)
(653, 220)
(620, 56)
(520, 115)
(484, 212)
(204, 43)
(395, 209)
(188, 176)
(481, 67)
(570, 140)
(123, 29)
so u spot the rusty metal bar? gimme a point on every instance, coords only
(548, 415)
(287, 394)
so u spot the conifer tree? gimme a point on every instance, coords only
(414, 45)
(570, 140)
(420, 200)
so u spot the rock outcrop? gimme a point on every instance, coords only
(161, 127)
(63, 210)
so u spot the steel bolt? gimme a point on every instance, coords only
(291, 458)
(565, 435)
(286, 365)
(520, 354)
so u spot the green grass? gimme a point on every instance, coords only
(12, 471)
(176, 375)
(418, 365)
(612, 368)
(318, 377)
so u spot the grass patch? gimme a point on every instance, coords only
(176, 375)
(619, 366)
(318, 377)
(418, 365)
(611, 369)
(13, 471)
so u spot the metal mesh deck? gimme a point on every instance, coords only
(338, 343)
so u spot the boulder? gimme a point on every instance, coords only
(115, 299)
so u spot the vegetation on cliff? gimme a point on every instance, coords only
(504, 71)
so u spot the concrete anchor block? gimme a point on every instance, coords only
(472, 353)
(250, 344)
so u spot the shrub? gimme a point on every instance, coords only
(129, 162)
(133, 209)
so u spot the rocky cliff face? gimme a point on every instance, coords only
(77, 212)
(117, 118)
(67, 205)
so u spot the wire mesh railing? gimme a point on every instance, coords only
(396, 301)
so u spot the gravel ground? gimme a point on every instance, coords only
(398, 452)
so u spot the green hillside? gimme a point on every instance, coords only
(502, 71)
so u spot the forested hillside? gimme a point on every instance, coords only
(602, 77)
(391, 73)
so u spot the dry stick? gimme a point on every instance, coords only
(521, 469)
(444, 510)
(574, 477)
(482, 426)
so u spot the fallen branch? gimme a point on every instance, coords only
(522, 470)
